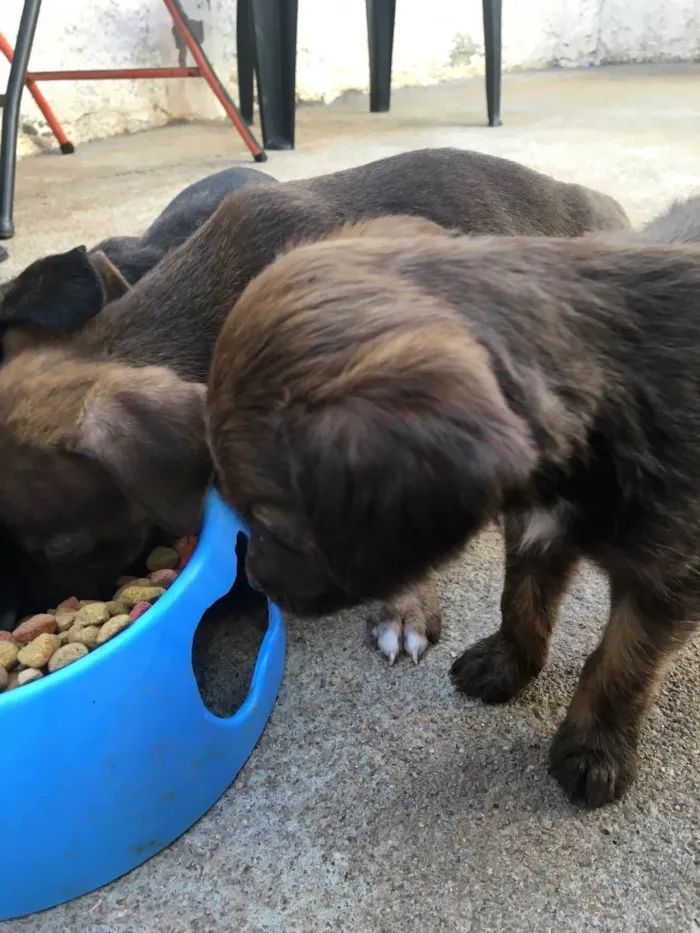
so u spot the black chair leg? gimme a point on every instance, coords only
(245, 57)
(275, 30)
(10, 114)
(381, 15)
(492, 48)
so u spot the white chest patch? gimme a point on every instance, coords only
(541, 527)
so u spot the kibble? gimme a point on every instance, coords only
(38, 652)
(72, 603)
(137, 610)
(44, 643)
(163, 558)
(28, 676)
(164, 578)
(185, 549)
(115, 607)
(34, 626)
(86, 635)
(66, 655)
(64, 619)
(8, 654)
(115, 625)
(92, 614)
(140, 594)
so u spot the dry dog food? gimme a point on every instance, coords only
(47, 642)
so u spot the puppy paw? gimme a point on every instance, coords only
(593, 767)
(392, 638)
(407, 625)
(492, 670)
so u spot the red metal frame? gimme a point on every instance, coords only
(114, 74)
(202, 70)
(41, 102)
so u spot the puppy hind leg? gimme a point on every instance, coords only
(593, 755)
(408, 624)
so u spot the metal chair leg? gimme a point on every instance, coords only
(381, 15)
(66, 145)
(492, 48)
(210, 76)
(245, 58)
(275, 30)
(10, 115)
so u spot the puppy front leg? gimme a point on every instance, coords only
(499, 667)
(409, 623)
(593, 755)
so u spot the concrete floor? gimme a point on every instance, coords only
(377, 800)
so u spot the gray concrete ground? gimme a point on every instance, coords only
(377, 800)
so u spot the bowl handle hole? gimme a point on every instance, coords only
(227, 642)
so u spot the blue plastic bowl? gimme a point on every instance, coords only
(107, 761)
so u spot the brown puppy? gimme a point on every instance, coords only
(172, 317)
(679, 223)
(95, 455)
(201, 279)
(62, 291)
(54, 296)
(373, 403)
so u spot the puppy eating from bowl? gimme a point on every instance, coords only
(99, 447)
(374, 403)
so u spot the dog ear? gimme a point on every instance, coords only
(114, 284)
(145, 426)
(394, 486)
(60, 292)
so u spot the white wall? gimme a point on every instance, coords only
(435, 40)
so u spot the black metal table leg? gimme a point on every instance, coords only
(381, 15)
(492, 49)
(275, 30)
(245, 59)
(10, 114)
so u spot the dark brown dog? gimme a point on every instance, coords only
(374, 403)
(171, 318)
(62, 291)
(472, 192)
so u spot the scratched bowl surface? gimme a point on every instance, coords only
(109, 760)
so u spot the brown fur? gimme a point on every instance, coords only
(470, 191)
(172, 316)
(62, 291)
(678, 223)
(372, 404)
(88, 465)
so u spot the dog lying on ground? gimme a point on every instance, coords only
(63, 290)
(374, 402)
(79, 423)
(476, 193)
(188, 210)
